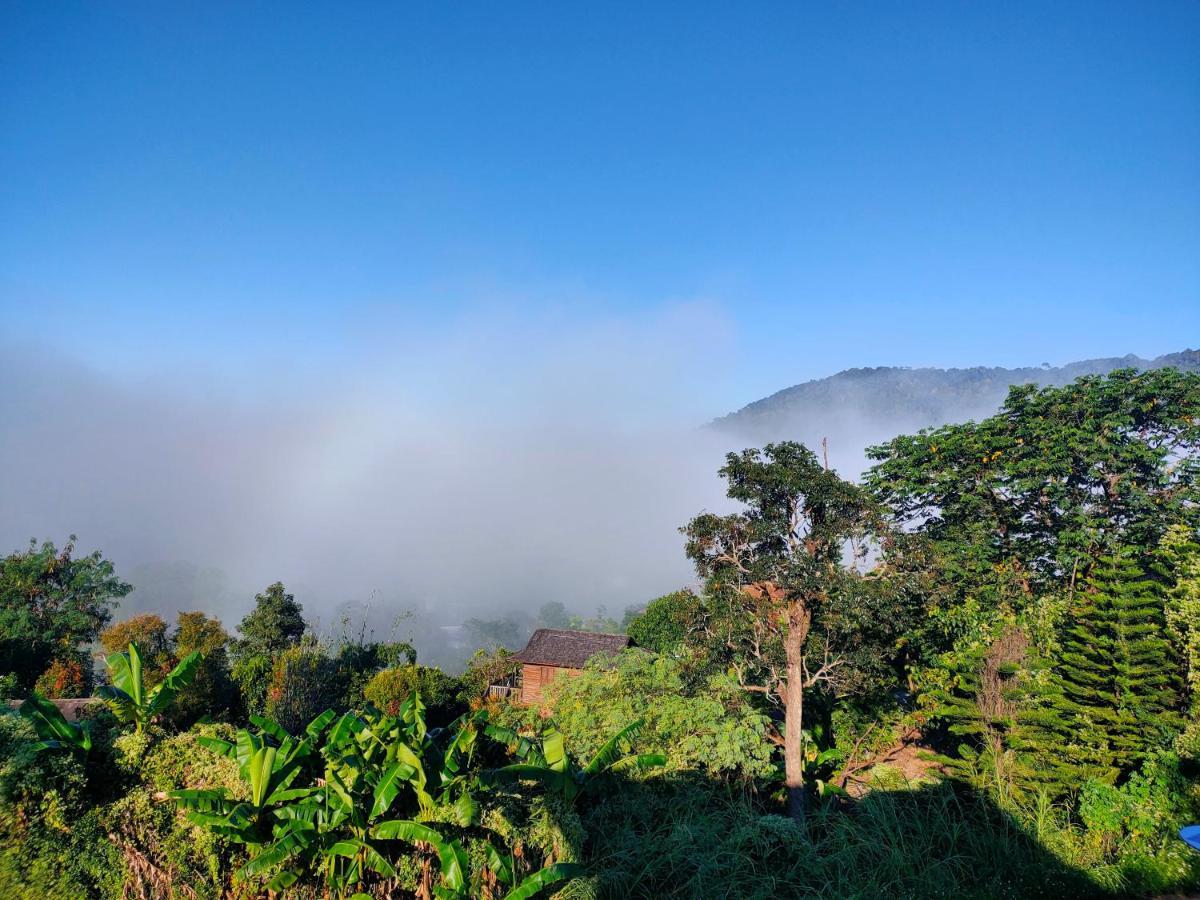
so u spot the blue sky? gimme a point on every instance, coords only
(234, 188)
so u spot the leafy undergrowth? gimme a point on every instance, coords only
(691, 838)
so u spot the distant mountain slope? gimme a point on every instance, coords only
(859, 407)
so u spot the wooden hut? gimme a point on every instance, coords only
(551, 652)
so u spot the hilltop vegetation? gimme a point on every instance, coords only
(972, 674)
(861, 406)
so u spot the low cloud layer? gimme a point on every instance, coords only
(497, 466)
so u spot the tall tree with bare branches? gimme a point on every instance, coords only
(776, 568)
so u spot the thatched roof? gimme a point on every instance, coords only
(568, 649)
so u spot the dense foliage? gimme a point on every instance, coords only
(1026, 502)
(779, 572)
(977, 674)
(378, 816)
(52, 601)
(712, 729)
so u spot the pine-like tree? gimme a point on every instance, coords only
(1113, 688)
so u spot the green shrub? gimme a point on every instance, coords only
(159, 845)
(303, 683)
(358, 661)
(1130, 837)
(692, 838)
(45, 864)
(10, 686)
(715, 731)
(51, 842)
(213, 692)
(666, 622)
(391, 687)
(252, 675)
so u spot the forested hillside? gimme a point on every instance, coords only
(859, 407)
(973, 672)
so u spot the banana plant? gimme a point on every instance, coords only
(269, 762)
(127, 695)
(819, 763)
(53, 730)
(435, 767)
(459, 880)
(339, 827)
(553, 768)
(323, 828)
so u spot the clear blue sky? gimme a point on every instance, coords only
(845, 184)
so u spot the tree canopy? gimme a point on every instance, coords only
(1033, 495)
(275, 623)
(51, 601)
(776, 569)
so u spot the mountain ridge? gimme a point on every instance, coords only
(877, 403)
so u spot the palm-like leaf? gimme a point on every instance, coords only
(127, 695)
(330, 830)
(319, 724)
(614, 747)
(554, 751)
(216, 745)
(164, 694)
(119, 702)
(559, 774)
(543, 878)
(639, 761)
(357, 849)
(559, 782)
(388, 787)
(125, 672)
(53, 730)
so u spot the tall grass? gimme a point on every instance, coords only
(695, 839)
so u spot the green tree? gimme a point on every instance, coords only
(275, 623)
(51, 601)
(692, 629)
(1025, 500)
(780, 567)
(1181, 555)
(666, 622)
(150, 633)
(553, 615)
(303, 682)
(358, 660)
(712, 729)
(978, 695)
(213, 692)
(252, 674)
(439, 692)
(1115, 690)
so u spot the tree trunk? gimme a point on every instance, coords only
(799, 620)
